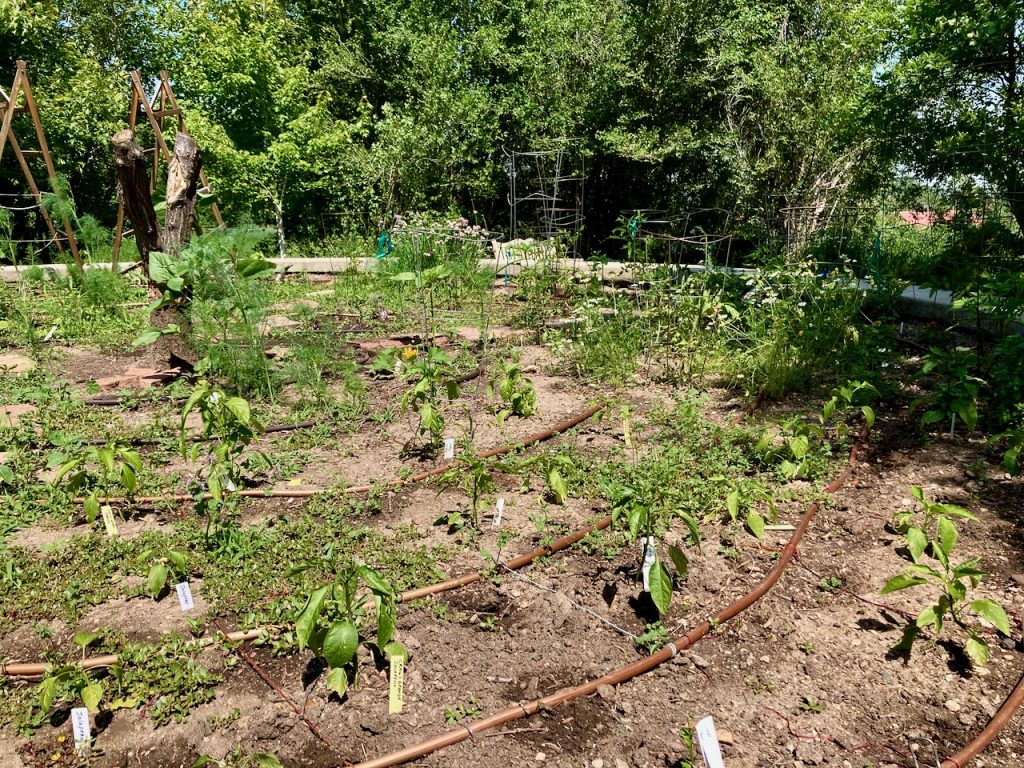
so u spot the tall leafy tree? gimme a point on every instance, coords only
(950, 95)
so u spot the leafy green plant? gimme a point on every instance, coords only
(229, 421)
(166, 566)
(97, 469)
(477, 482)
(812, 705)
(515, 393)
(430, 373)
(641, 520)
(1014, 440)
(71, 682)
(652, 638)
(937, 539)
(831, 584)
(746, 496)
(462, 710)
(935, 517)
(357, 607)
(955, 390)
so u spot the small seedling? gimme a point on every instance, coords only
(810, 704)
(831, 584)
(462, 710)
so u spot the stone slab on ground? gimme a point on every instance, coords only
(14, 364)
(10, 415)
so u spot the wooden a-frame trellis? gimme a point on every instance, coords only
(9, 107)
(156, 110)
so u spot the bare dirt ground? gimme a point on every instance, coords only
(803, 678)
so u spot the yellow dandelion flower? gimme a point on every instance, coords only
(408, 353)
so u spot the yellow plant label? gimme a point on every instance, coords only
(396, 694)
(108, 520)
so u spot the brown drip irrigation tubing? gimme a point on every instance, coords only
(38, 669)
(96, 662)
(995, 725)
(630, 671)
(272, 429)
(520, 561)
(538, 437)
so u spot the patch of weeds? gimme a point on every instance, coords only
(462, 710)
(830, 584)
(653, 637)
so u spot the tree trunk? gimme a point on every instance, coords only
(133, 189)
(182, 173)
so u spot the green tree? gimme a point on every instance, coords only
(949, 95)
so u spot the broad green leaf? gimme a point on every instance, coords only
(558, 486)
(177, 560)
(308, 617)
(755, 523)
(337, 680)
(680, 561)
(660, 582)
(157, 579)
(91, 696)
(930, 617)
(732, 503)
(341, 643)
(161, 267)
(951, 510)
(969, 413)
(47, 693)
(377, 582)
(85, 639)
(917, 493)
(869, 415)
(917, 542)
(250, 267)
(264, 759)
(395, 650)
(993, 613)
(147, 337)
(240, 408)
(903, 581)
(92, 507)
(385, 626)
(947, 535)
(404, 277)
(977, 650)
(799, 446)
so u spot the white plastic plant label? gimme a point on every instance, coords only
(708, 740)
(499, 509)
(184, 596)
(396, 689)
(107, 514)
(80, 728)
(650, 558)
(449, 448)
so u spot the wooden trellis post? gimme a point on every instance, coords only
(9, 107)
(156, 110)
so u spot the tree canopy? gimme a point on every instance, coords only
(777, 113)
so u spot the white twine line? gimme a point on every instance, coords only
(572, 602)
